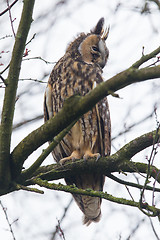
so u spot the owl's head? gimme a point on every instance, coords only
(92, 47)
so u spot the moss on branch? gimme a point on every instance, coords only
(120, 161)
(152, 211)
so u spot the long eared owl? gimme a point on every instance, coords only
(79, 71)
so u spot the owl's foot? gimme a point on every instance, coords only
(88, 155)
(73, 156)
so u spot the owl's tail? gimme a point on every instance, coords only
(88, 221)
(92, 209)
(90, 206)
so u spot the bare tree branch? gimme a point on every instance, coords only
(154, 231)
(8, 8)
(131, 184)
(11, 20)
(39, 58)
(135, 229)
(9, 224)
(145, 58)
(18, 125)
(3, 80)
(57, 228)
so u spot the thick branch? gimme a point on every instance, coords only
(74, 108)
(117, 162)
(10, 92)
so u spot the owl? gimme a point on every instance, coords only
(78, 72)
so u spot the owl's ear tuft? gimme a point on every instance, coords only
(98, 29)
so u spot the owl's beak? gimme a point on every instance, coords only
(103, 63)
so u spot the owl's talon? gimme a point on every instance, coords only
(73, 157)
(91, 155)
(62, 161)
(85, 158)
(98, 156)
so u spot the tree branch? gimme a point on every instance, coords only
(74, 108)
(30, 171)
(120, 161)
(8, 8)
(7, 219)
(10, 16)
(146, 57)
(153, 211)
(10, 92)
(131, 184)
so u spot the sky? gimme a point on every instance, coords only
(55, 26)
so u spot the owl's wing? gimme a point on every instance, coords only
(104, 123)
(63, 148)
(48, 103)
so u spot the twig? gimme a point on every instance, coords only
(31, 79)
(9, 224)
(5, 69)
(21, 187)
(129, 193)
(59, 229)
(18, 125)
(60, 221)
(5, 37)
(156, 116)
(135, 229)
(31, 39)
(131, 184)
(154, 187)
(39, 58)
(24, 59)
(145, 58)
(8, 8)
(10, 16)
(150, 162)
(155, 233)
(154, 64)
(133, 125)
(3, 80)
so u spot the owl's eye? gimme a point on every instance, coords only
(95, 49)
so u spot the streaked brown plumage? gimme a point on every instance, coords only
(78, 71)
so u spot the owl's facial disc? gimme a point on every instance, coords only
(93, 50)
